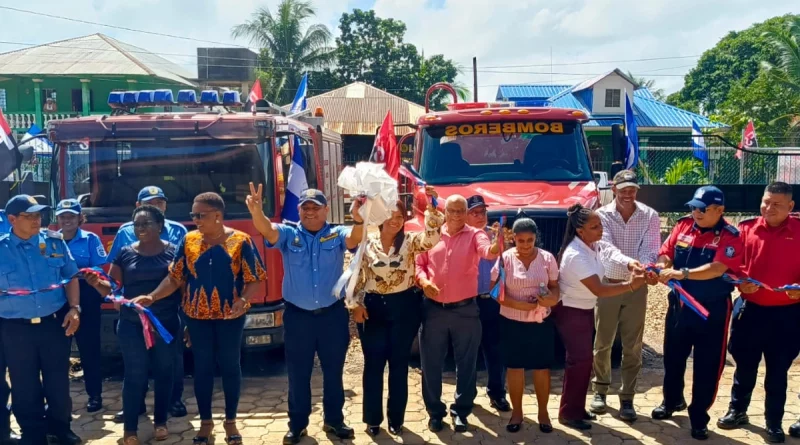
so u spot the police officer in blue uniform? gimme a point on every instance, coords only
(315, 321)
(172, 232)
(701, 248)
(37, 327)
(88, 251)
(5, 226)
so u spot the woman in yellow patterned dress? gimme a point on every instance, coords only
(388, 316)
(219, 270)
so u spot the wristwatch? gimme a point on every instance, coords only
(77, 307)
(685, 272)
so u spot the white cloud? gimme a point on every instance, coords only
(519, 32)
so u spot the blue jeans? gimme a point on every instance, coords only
(138, 361)
(216, 342)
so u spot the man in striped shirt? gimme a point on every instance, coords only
(635, 229)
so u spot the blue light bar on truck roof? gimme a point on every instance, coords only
(129, 98)
(163, 97)
(187, 97)
(209, 97)
(231, 99)
(145, 98)
(534, 103)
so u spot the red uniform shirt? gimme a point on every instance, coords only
(690, 246)
(772, 256)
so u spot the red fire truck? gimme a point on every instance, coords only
(524, 158)
(105, 160)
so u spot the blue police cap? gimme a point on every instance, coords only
(68, 206)
(707, 195)
(313, 195)
(475, 201)
(151, 192)
(23, 204)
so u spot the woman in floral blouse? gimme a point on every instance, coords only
(219, 270)
(388, 316)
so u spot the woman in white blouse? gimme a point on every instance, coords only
(388, 316)
(581, 283)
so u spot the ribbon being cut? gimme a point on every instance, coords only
(370, 182)
(685, 297)
(149, 321)
(498, 292)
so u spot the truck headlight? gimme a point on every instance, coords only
(258, 321)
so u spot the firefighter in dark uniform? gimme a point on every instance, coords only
(765, 321)
(701, 248)
(37, 328)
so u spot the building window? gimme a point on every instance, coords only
(613, 98)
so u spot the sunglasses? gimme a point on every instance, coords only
(392, 264)
(197, 215)
(699, 209)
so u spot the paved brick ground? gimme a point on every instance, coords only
(263, 416)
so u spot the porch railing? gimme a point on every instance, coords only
(20, 122)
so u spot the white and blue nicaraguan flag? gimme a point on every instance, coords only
(299, 102)
(632, 135)
(699, 145)
(296, 185)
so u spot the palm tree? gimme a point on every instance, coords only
(289, 48)
(787, 70)
(650, 84)
(685, 171)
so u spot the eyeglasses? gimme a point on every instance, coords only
(478, 212)
(31, 216)
(197, 215)
(455, 212)
(699, 209)
(144, 225)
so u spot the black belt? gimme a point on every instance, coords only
(37, 320)
(484, 296)
(319, 311)
(461, 303)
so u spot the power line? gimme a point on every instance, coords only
(593, 63)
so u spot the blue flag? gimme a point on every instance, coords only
(699, 144)
(299, 102)
(296, 185)
(632, 136)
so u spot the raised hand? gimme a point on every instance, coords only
(254, 200)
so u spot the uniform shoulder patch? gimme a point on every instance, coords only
(4, 236)
(730, 251)
(732, 229)
(53, 234)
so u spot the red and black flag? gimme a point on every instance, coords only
(10, 157)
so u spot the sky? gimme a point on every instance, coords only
(519, 41)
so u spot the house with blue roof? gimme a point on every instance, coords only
(602, 99)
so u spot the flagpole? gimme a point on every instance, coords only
(741, 164)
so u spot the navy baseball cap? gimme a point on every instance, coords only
(151, 192)
(475, 201)
(23, 204)
(68, 206)
(705, 196)
(313, 195)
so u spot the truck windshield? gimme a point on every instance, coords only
(533, 151)
(107, 176)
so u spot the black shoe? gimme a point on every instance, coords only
(292, 438)
(341, 431)
(10, 438)
(598, 404)
(460, 424)
(500, 404)
(627, 412)
(661, 412)
(733, 419)
(513, 427)
(589, 416)
(775, 435)
(580, 425)
(700, 433)
(546, 428)
(68, 438)
(94, 404)
(178, 409)
(120, 418)
(794, 430)
(396, 430)
(435, 425)
(373, 430)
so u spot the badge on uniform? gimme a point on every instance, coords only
(296, 242)
(328, 238)
(730, 251)
(100, 251)
(42, 248)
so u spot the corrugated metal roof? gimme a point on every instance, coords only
(95, 54)
(648, 111)
(359, 109)
(514, 92)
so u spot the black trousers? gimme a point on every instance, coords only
(386, 337)
(88, 340)
(31, 349)
(325, 333)
(685, 330)
(490, 347)
(771, 331)
(5, 391)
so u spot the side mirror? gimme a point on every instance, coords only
(601, 178)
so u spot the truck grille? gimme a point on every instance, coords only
(551, 227)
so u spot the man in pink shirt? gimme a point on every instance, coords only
(448, 275)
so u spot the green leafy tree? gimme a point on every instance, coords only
(650, 84)
(735, 59)
(786, 72)
(685, 171)
(290, 46)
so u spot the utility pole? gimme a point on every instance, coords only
(474, 79)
